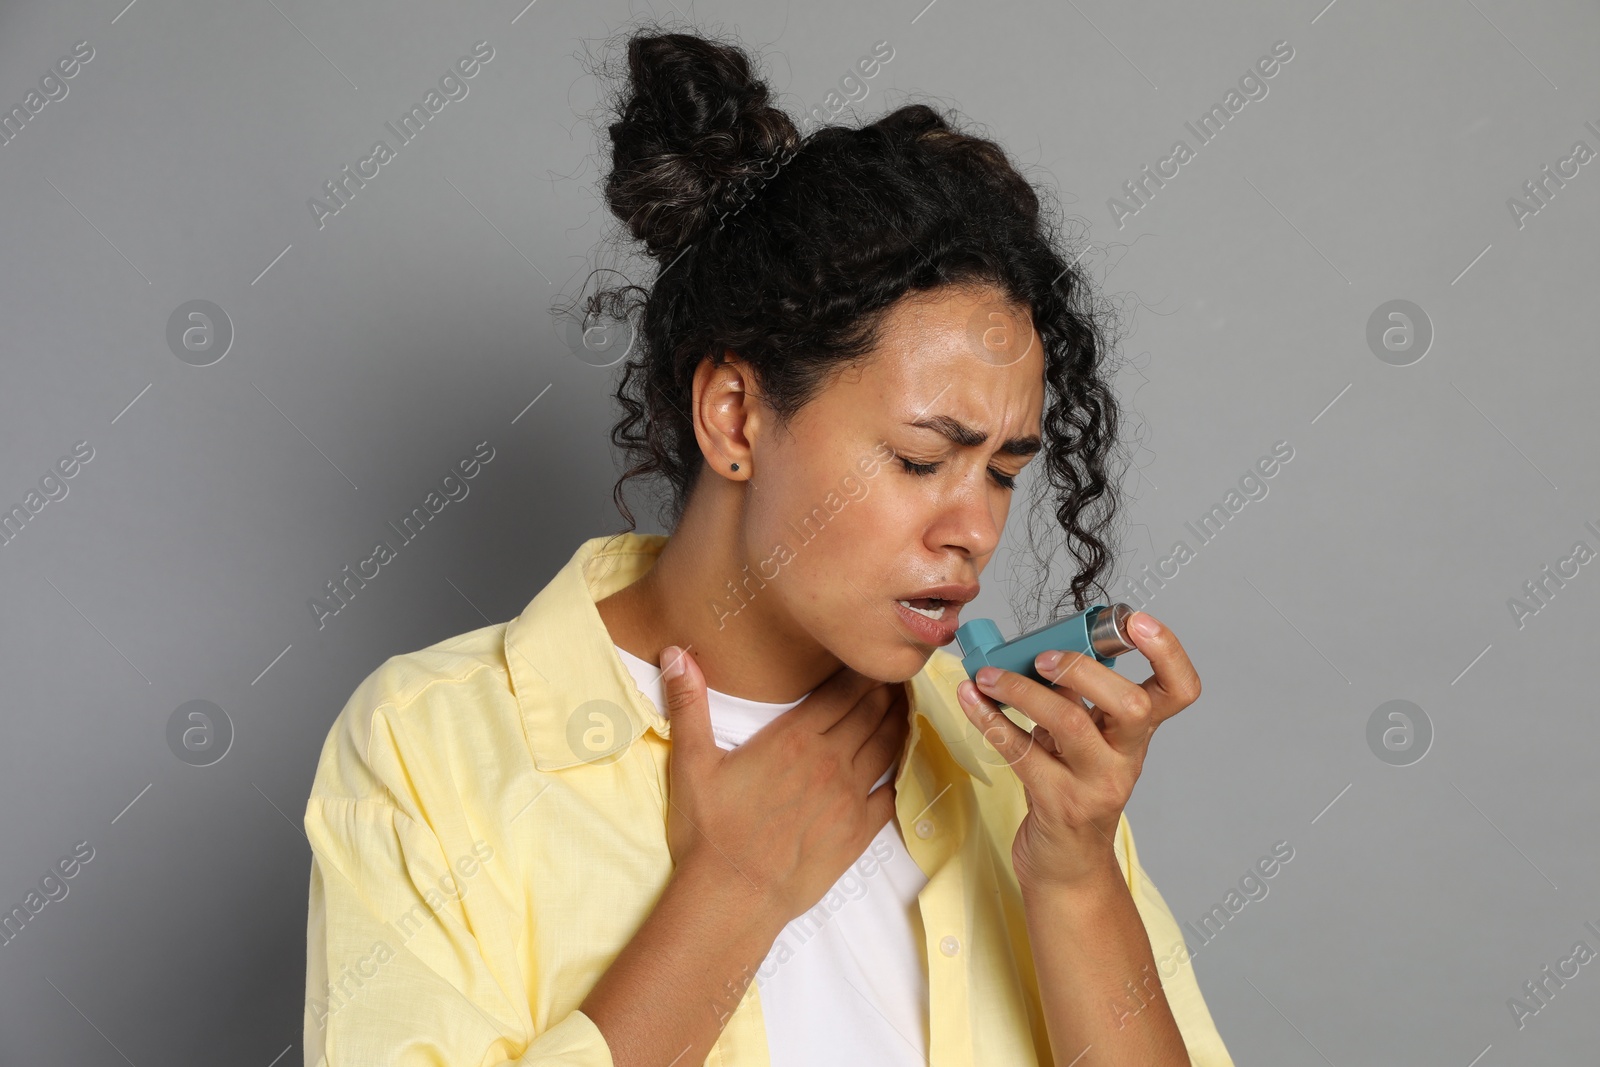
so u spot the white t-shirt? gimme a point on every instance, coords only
(847, 982)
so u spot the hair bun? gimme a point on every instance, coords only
(693, 122)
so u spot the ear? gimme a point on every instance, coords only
(726, 414)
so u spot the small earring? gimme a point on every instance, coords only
(735, 466)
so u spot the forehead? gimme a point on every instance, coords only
(966, 347)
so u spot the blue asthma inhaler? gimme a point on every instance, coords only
(1100, 631)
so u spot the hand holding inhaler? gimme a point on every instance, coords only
(1079, 763)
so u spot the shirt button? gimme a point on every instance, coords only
(924, 828)
(949, 945)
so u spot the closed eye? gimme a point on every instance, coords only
(1004, 480)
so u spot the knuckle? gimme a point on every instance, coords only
(679, 697)
(1075, 720)
(1139, 705)
(998, 737)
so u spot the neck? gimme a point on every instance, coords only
(746, 645)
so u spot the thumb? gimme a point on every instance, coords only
(687, 708)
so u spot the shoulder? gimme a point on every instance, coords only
(418, 713)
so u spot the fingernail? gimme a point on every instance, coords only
(1046, 661)
(987, 675)
(1144, 625)
(671, 661)
(966, 692)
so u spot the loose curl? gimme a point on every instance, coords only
(790, 249)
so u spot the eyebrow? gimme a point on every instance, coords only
(968, 437)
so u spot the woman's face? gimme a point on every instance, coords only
(838, 526)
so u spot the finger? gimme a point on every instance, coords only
(880, 751)
(835, 701)
(880, 809)
(1126, 708)
(1014, 744)
(1082, 746)
(1175, 684)
(858, 723)
(1095, 713)
(687, 708)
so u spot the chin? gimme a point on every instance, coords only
(897, 664)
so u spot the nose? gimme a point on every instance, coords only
(967, 521)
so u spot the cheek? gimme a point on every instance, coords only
(837, 538)
(842, 571)
(873, 522)
(847, 574)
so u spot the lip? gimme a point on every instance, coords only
(930, 631)
(952, 591)
(936, 631)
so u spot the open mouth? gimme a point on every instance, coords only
(931, 607)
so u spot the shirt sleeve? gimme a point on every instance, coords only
(396, 968)
(1182, 990)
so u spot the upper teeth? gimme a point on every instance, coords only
(932, 613)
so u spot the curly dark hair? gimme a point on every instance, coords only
(789, 249)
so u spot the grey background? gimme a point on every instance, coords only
(378, 350)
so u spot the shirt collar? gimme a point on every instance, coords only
(564, 666)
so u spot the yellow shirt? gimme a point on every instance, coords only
(488, 830)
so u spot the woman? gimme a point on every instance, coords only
(722, 796)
